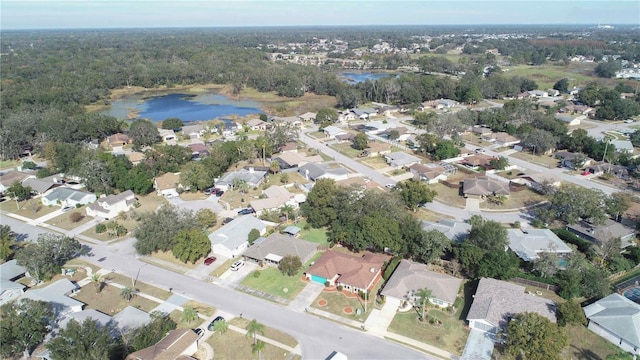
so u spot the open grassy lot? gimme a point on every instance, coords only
(9, 164)
(200, 308)
(273, 282)
(579, 74)
(143, 287)
(31, 208)
(314, 235)
(109, 300)
(237, 199)
(375, 162)
(346, 149)
(516, 200)
(168, 256)
(475, 140)
(428, 215)
(232, 345)
(63, 221)
(449, 196)
(268, 332)
(542, 160)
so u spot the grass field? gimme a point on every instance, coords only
(63, 221)
(449, 196)
(314, 235)
(143, 287)
(31, 208)
(273, 282)
(9, 164)
(542, 160)
(516, 200)
(375, 162)
(451, 335)
(579, 74)
(346, 149)
(233, 345)
(109, 300)
(270, 333)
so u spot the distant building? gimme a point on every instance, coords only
(616, 319)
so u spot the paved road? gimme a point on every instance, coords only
(317, 337)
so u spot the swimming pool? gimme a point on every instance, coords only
(633, 294)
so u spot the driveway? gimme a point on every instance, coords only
(479, 346)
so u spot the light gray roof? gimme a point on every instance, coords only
(454, 230)
(400, 158)
(44, 184)
(192, 129)
(497, 301)
(8, 271)
(409, 277)
(236, 232)
(527, 244)
(609, 230)
(80, 316)
(131, 318)
(623, 145)
(618, 315)
(292, 229)
(252, 177)
(282, 245)
(485, 186)
(64, 193)
(333, 130)
(55, 293)
(315, 171)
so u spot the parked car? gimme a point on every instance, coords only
(628, 121)
(390, 186)
(198, 331)
(237, 265)
(208, 191)
(210, 260)
(246, 211)
(227, 220)
(67, 208)
(210, 327)
(585, 173)
(217, 192)
(479, 151)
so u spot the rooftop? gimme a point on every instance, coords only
(409, 277)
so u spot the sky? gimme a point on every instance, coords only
(54, 14)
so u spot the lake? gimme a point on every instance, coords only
(354, 78)
(183, 106)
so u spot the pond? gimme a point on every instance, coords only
(354, 78)
(183, 106)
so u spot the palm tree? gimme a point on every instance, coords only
(288, 211)
(97, 280)
(253, 328)
(258, 347)
(423, 296)
(221, 326)
(189, 314)
(275, 166)
(127, 293)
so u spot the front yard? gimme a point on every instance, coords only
(63, 221)
(346, 304)
(233, 345)
(449, 196)
(375, 162)
(542, 160)
(109, 300)
(271, 281)
(31, 208)
(346, 149)
(516, 200)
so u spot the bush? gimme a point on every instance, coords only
(75, 217)
(256, 274)
(327, 283)
(584, 246)
(339, 288)
(29, 165)
(391, 267)
(100, 228)
(570, 312)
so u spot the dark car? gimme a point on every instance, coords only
(198, 331)
(208, 191)
(227, 220)
(209, 260)
(217, 192)
(246, 211)
(210, 327)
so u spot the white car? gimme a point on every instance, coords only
(479, 151)
(628, 121)
(67, 208)
(237, 265)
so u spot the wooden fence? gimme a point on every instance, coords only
(537, 284)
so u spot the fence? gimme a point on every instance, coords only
(635, 281)
(537, 284)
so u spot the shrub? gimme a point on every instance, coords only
(75, 217)
(256, 274)
(100, 228)
(516, 225)
(339, 287)
(327, 283)
(390, 268)
(570, 312)
(307, 226)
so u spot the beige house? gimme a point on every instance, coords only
(177, 344)
(167, 184)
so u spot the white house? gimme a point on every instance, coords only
(332, 131)
(257, 125)
(168, 136)
(252, 177)
(58, 295)
(623, 146)
(194, 131)
(108, 207)
(313, 172)
(65, 196)
(231, 240)
(9, 288)
(276, 197)
(616, 319)
(529, 243)
(167, 184)
(401, 159)
(11, 177)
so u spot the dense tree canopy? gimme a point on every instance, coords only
(157, 230)
(24, 325)
(87, 340)
(534, 337)
(414, 193)
(44, 257)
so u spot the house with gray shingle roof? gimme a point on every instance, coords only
(623, 146)
(252, 177)
(131, 318)
(313, 172)
(9, 288)
(401, 159)
(231, 240)
(9, 178)
(276, 246)
(616, 319)
(496, 302)
(410, 277)
(484, 186)
(65, 196)
(40, 186)
(194, 131)
(57, 294)
(528, 243)
(455, 231)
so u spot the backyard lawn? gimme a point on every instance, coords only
(318, 236)
(233, 345)
(109, 300)
(273, 282)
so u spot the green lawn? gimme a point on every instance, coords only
(270, 333)
(318, 236)
(273, 282)
(31, 208)
(232, 345)
(109, 300)
(346, 149)
(579, 74)
(543, 160)
(63, 221)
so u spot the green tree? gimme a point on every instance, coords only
(253, 235)
(562, 85)
(97, 281)
(500, 163)
(206, 218)
(469, 257)
(274, 167)
(290, 265)
(19, 192)
(570, 313)
(43, 258)
(414, 193)
(191, 245)
(534, 337)
(547, 262)
(394, 135)
(487, 234)
(197, 176)
(428, 246)
(189, 314)
(284, 178)
(221, 327)
(257, 348)
(87, 340)
(7, 239)
(143, 133)
(319, 207)
(253, 329)
(607, 69)
(445, 149)
(150, 334)
(501, 265)
(360, 141)
(617, 203)
(127, 293)
(423, 119)
(24, 325)
(326, 116)
(157, 230)
(572, 203)
(172, 123)
(423, 296)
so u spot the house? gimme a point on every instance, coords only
(346, 115)
(601, 233)
(607, 168)
(308, 116)
(401, 159)
(228, 127)
(572, 160)
(135, 157)
(291, 120)
(118, 140)
(446, 103)
(101, 319)
(345, 137)
(276, 197)
(12, 177)
(496, 302)
(454, 230)
(65, 196)
(258, 125)
(481, 130)
(199, 151)
(290, 160)
(501, 138)
(538, 93)
(131, 318)
(364, 113)
(622, 146)
(177, 344)
(168, 136)
(167, 184)
(331, 131)
(291, 146)
(353, 273)
(410, 277)
(431, 174)
(10, 271)
(232, 239)
(253, 178)
(478, 160)
(58, 295)
(570, 120)
(276, 246)
(193, 131)
(403, 133)
(313, 172)
(484, 186)
(376, 148)
(616, 319)
(108, 207)
(40, 186)
(528, 243)
(537, 180)
(292, 230)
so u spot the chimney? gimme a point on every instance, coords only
(251, 170)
